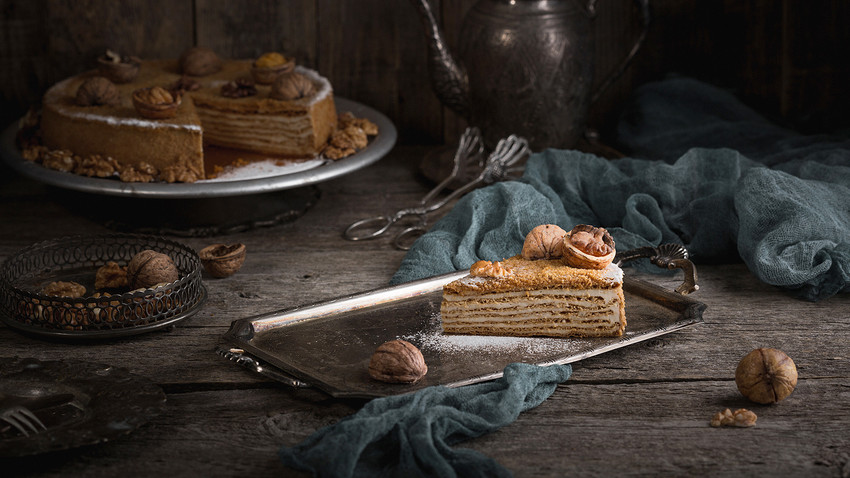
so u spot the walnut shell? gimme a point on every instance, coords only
(292, 86)
(149, 268)
(199, 61)
(269, 66)
(766, 375)
(156, 102)
(117, 68)
(222, 260)
(97, 91)
(397, 361)
(544, 242)
(588, 247)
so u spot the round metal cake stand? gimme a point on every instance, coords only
(205, 208)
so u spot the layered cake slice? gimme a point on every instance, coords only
(562, 285)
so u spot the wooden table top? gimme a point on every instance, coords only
(640, 410)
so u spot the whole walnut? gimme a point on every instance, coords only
(397, 361)
(544, 242)
(292, 86)
(766, 375)
(149, 268)
(97, 91)
(199, 61)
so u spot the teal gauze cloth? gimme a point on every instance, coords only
(712, 175)
(412, 435)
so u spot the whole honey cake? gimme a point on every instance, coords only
(152, 120)
(562, 285)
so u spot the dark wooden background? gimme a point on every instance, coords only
(788, 58)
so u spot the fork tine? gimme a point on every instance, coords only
(16, 424)
(33, 421)
(23, 420)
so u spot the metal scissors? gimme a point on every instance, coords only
(497, 167)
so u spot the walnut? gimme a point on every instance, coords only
(156, 102)
(199, 61)
(544, 242)
(348, 119)
(292, 86)
(111, 276)
(140, 173)
(120, 69)
(103, 310)
(182, 85)
(149, 268)
(332, 152)
(489, 269)
(240, 88)
(766, 375)
(96, 166)
(180, 174)
(739, 418)
(97, 91)
(64, 289)
(222, 260)
(34, 153)
(397, 361)
(588, 247)
(345, 142)
(60, 160)
(269, 66)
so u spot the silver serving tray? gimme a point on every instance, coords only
(328, 345)
(378, 147)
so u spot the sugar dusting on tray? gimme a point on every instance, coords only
(434, 340)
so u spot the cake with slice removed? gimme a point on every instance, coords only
(562, 285)
(158, 123)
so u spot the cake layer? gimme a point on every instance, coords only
(295, 135)
(558, 313)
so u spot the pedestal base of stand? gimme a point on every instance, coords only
(199, 217)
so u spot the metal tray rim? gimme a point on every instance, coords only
(243, 330)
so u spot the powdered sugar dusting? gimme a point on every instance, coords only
(433, 340)
(265, 169)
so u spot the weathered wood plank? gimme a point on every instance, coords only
(581, 430)
(247, 29)
(370, 52)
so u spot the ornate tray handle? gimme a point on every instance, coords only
(667, 256)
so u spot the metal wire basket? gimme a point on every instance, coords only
(97, 313)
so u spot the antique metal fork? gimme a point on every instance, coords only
(22, 419)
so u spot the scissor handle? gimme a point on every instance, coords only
(403, 240)
(382, 222)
